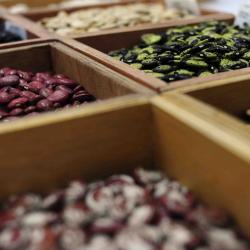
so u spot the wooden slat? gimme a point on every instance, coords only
(204, 156)
(90, 142)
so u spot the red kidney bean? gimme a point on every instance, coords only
(51, 81)
(10, 72)
(24, 85)
(5, 71)
(23, 93)
(57, 105)
(44, 76)
(9, 80)
(67, 82)
(30, 95)
(36, 86)
(18, 102)
(58, 96)
(45, 92)
(15, 92)
(30, 109)
(5, 97)
(44, 105)
(16, 112)
(27, 76)
(64, 88)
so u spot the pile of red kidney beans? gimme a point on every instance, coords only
(145, 211)
(27, 94)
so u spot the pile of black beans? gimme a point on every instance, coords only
(143, 211)
(7, 36)
(190, 51)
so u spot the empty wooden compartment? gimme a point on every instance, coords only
(224, 102)
(101, 140)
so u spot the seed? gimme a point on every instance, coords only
(58, 96)
(44, 105)
(202, 49)
(18, 102)
(36, 86)
(30, 96)
(9, 80)
(45, 92)
(5, 97)
(16, 112)
(150, 39)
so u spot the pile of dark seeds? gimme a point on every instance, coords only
(27, 94)
(145, 211)
(190, 51)
(7, 36)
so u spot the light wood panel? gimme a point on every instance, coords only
(205, 156)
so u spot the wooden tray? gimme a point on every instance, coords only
(48, 55)
(38, 14)
(40, 6)
(98, 45)
(220, 101)
(100, 140)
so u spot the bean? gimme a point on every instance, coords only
(36, 86)
(21, 93)
(65, 89)
(30, 96)
(202, 49)
(9, 80)
(18, 102)
(30, 109)
(5, 97)
(44, 105)
(45, 92)
(58, 96)
(16, 112)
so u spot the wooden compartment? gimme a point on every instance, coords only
(101, 140)
(33, 32)
(37, 14)
(223, 102)
(97, 46)
(55, 57)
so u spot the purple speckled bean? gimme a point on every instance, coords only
(9, 80)
(44, 105)
(30, 109)
(45, 92)
(30, 95)
(36, 86)
(18, 102)
(58, 96)
(64, 88)
(16, 112)
(5, 97)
